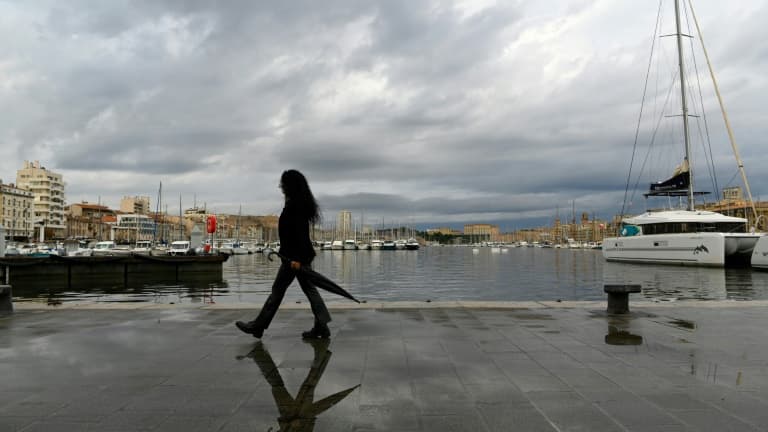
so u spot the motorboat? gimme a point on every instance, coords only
(412, 244)
(180, 248)
(109, 248)
(233, 248)
(143, 247)
(350, 245)
(337, 245)
(376, 244)
(388, 245)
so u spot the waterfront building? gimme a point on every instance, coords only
(482, 232)
(344, 225)
(47, 187)
(87, 220)
(135, 205)
(444, 231)
(16, 212)
(133, 227)
(734, 204)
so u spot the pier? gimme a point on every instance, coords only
(461, 366)
(67, 272)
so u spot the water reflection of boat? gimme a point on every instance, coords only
(669, 283)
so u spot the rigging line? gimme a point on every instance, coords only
(655, 133)
(640, 116)
(733, 177)
(710, 160)
(725, 116)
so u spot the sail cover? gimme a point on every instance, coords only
(680, 180)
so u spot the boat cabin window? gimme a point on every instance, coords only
(693, 227)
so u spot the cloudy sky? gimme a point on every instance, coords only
(418, 112)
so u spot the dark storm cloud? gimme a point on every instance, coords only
(430, 110)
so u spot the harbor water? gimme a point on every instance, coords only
(432, 274)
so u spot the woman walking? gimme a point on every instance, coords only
(300, 211)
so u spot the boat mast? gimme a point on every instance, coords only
(725, 114)
(686, 133)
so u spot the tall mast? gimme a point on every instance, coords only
(157, 212)
(181, 230)
(686, 133)
(725, 115)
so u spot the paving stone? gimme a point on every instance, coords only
(418, 369)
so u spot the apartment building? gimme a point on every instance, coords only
(16, 208)
(486, 231)
(134, 227)
(136, 204)
(86, 220)
(47, 187)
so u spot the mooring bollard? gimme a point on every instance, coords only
(618, 297)
(6, 299)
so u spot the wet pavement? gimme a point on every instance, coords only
(389, 367)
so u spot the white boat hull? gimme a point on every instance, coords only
(697, 249)
(760, 254)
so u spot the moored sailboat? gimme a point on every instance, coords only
(683, 236)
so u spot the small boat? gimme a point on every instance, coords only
(388, 245)
(143, 247)
(233, 248)
(376, 244)
(271, 247)
(400, 244)
(337, 245)
(326, 245)
(412, 244)
(109, 248)
(350, 245)
(180, 248)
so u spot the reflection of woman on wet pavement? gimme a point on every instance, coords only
(299, 413)
(300, 211)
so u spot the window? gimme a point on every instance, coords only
(692, 227)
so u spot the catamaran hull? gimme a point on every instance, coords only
(699, 249)
(760, 254)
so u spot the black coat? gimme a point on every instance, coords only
(293, 229)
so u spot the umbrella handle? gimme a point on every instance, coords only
(269, 256)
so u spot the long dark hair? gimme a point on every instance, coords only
(297, 191)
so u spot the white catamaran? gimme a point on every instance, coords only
(684, 236)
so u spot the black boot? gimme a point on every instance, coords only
(319, 331)
(251, 328)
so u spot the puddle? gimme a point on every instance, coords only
(685, 324)
(618, 336)
(531, 316)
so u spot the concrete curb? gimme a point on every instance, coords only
(600, 305)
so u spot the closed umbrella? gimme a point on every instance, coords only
(318, 279)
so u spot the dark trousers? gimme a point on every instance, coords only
(283, 279)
